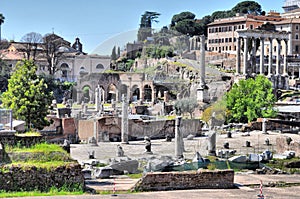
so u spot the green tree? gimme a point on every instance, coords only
(1, 22)
(145, 29)
(113, 54)
(247, 7)
(27, 96)
(185, 23)
(186, 105)
(250, 99)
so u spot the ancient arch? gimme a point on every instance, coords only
(112, 93)
(148, 93)
(135, 93)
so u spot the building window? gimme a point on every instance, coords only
(297, 49)
(297, 27)
(297, 36)
(251, 27)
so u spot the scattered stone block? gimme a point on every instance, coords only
(239, 159)
(87, 174)
(253, 157)
(103, 172)
(190, 137)
(130, 166)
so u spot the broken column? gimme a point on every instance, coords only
(212, 143)
(97, 101)
(124, 129)
(179, 145)
(264, 126)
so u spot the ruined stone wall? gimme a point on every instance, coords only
(282, 146)
(32, 179)
(85, 129)
(201, 179)
(138, 128)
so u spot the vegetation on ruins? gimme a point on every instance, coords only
(186, 24)
(145, 29)
(186, 105)
(27, 96)
(250, 99)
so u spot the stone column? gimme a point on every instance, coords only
(202, 61)
(270, 57)
(179, 147)
(97, 101)
(238, 56)
(285, 58)
(79, 96)
(245, 55)
(212, 143)
(262, 56)
(278, 57)
(96, 130)
(124, 126)
(253, 56)
(290, 43)
(153, 96)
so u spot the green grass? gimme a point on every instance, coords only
(28, 134)
(42, 148)
(53, 192)
(135, 175)
(44, 156)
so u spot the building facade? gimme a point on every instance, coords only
(222, 33)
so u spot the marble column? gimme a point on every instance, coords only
(262, 55)
(278, 57)
(202, 61)
(285, 58)
(245, 55)
(253, 56)
(270, 57)
(238, 56)
(124, 125)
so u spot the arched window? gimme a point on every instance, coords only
(100, 66)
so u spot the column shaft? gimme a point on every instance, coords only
(262, 56)
(285, 58)
(238, 56)
(270, 57)
(245, 55)
(278, 57)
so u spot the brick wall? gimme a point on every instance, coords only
(201, 179)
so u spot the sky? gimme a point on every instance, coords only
(102, 24)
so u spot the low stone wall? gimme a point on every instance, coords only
(15, 178)
(201, 179)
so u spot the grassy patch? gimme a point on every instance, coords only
(41, 155)
(135, 175)
(53, 192)
(28, 134)
(42, 147)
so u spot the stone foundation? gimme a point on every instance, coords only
(201, 179)
(15, 178)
